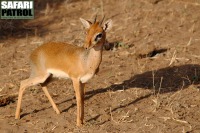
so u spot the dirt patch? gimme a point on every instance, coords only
(6, 100)
(148, 80)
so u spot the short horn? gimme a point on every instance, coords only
(95, 19)
(102, 20)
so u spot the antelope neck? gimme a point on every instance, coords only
(93, 57)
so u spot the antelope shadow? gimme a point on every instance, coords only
(169, 79)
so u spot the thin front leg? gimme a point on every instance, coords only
(83, 87)
(44, 88)
(80, 100)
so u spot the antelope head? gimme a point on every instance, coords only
(95, 32)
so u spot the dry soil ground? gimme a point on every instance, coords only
(147, 83)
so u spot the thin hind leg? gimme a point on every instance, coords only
(44, 88)
(27, 83)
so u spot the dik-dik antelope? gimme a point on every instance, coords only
(68, 61)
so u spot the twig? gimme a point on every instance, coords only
(112, 116)
(178, 120)
(153, 75)
(181, 121)
(53, 128)
(160, 86)
(194, 4)
(173, 58)
(14, 94)
(196, 56)
(189, 42)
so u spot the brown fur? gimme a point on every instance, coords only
(68, 61)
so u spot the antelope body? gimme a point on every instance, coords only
(68, 61)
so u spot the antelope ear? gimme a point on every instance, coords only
(107, 25)
(85, 23)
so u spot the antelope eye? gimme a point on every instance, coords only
(98, 36)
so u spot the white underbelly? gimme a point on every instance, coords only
(58, 73)
(86, 77)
